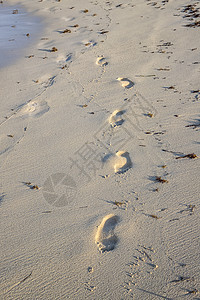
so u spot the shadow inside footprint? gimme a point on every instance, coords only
(126, 83)
(107, 157)
(116, 118)
(105, 238)
(101, 61)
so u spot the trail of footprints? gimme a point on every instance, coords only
(105, 237)
(121, 159)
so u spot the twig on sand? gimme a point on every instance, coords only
(195, 291)
(181, 155)
(31, 186)
(191, 155)
(159, 179)
(181, 278)
(152, 216)
(19, 282)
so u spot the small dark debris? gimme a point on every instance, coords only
(31, 186)
(189, 208)
(66, 31)
(154, 217)
(191, 156)
(166, 44)
(64, 67)
(195, 291)
(170, 87)
(175, 219)
(181, 278)
(191, 12)
(15, 11)
(119, 204)
(159, 179)
(163, 69)
(54, 49)
(194, 24)
(194, 126)
(103, 32)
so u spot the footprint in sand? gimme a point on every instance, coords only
(46, 81)
(116, 118)
(105, 237)
(122, 162)
(101, 61)
(125, 82)
(34, 109)
(64, 58)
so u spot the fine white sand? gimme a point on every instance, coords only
(99, 198)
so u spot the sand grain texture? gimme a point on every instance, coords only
(108, 95)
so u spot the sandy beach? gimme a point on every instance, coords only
(99, 152)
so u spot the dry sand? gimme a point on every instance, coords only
(99, 197)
